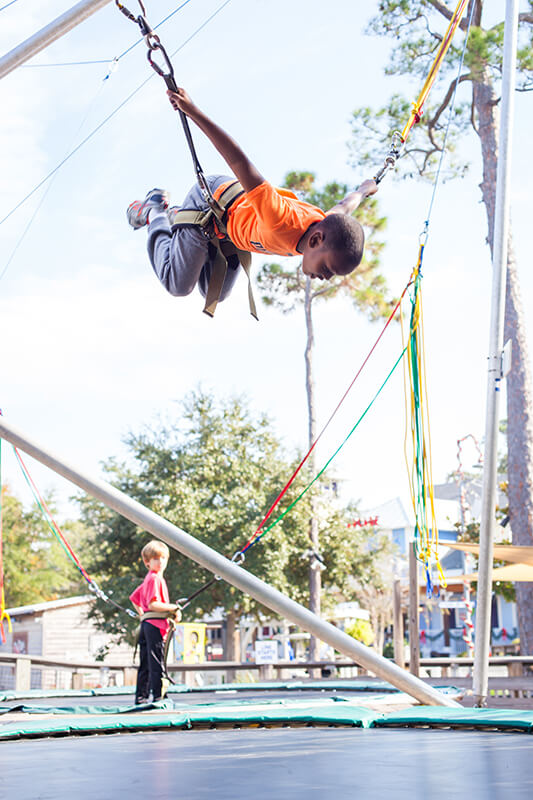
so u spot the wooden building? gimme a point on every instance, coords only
(62, 630)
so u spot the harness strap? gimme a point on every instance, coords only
(223, 248)
(169, 616)
(156, 615)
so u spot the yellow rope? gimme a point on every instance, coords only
(441, 52)
(419, 461)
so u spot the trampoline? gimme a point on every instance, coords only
(317, 740)
(262, 764)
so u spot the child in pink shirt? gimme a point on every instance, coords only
(152, 595)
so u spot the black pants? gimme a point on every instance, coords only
(151, 659)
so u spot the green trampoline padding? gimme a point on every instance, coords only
(324, 685)
(460, 717)
(163, 705)
(282, 711)
(327, 712)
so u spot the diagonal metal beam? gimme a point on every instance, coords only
(54, 30)
(231, 572)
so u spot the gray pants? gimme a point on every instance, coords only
(182, 259)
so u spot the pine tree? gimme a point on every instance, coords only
(416, 27)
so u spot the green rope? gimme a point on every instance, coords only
(328, 462)
(45, 515)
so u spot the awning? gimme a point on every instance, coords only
(504, 552)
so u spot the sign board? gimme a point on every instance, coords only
(189, 642)
(266, 651)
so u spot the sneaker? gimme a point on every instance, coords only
(138, 211)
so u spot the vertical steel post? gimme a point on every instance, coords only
(54, 30)
(397, 623)
(495, 375)
(414, 601)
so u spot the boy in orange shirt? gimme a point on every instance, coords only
(261, 220)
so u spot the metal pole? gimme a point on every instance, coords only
(54, 30)
(495, 374)
(232, 573)
(397, 625)
(414, 602)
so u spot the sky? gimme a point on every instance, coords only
(94, 348)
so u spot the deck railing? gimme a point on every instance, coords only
(506, 672)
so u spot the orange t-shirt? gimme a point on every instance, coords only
(269, 220)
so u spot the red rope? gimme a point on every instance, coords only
(51, 518)
(341, 401)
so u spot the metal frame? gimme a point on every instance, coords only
(54, 30)
(230, 571)
(495, 371)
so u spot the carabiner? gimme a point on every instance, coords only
(156, 45)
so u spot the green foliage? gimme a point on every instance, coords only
(362, 631)
(284, 287)
(36, 568)
(214, 473)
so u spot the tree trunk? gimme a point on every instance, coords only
(519, 387)
(314, 565)
(519, 445)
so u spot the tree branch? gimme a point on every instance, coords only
(446, 12)
(525, 17)
(447, 97)
(320, 292)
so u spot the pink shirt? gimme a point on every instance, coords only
(152, 589)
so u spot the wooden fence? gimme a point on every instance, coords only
(510, 677)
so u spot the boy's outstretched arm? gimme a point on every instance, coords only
(235, 158)
(354, 199)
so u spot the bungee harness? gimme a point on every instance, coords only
(212, 223)
(221, 248)
(171, 619)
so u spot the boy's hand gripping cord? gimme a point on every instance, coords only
(153, 43)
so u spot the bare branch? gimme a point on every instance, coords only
(447, 97)
(525, 17)
(446, 12)
(320, 292)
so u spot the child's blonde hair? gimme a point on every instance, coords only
(154, 549)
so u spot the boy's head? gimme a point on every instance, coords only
(334, 246)
(155, 556)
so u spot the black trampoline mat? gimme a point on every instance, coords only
(275, 764)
